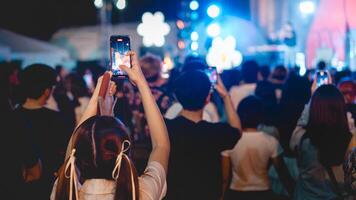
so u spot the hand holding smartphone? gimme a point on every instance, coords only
(119, 47)
(322, 78)
(212, 73)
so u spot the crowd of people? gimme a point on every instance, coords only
(257, 133)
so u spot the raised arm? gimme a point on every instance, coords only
(232, 117)
(156, 125)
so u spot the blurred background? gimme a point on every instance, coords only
(290, 32)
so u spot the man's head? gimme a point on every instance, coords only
(192, 90)
(37, 81)
(151, 67)
(249, 70)
(250, 111)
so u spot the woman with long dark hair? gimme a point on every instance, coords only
(99, 165)
(322, 141)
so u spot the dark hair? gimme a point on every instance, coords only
(249, 70)
(194, 65)
(250, 111)
(266, 91)
(98, 161)
(191, 89)
(36, 78)
(76, 84)
(279, 73)
(328, 127)
(321, 65)
(265, 71)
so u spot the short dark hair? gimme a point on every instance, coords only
(194, 65)
(265, 71)
(36, 78)
(250, 111)
(280, 73)
(249, 70)
(192, 88)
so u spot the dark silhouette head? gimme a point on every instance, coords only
(249, 70)
(250, 111)
(192, 90)
(36, 79)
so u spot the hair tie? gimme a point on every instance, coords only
(72, 176)
(116, 170)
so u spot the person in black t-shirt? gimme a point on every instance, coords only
(194, 169)
(46, 129)
(20, 163)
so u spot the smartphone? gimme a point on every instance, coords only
(119, 46)
(322, 78)
(212, 73)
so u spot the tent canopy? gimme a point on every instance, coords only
(17, 47)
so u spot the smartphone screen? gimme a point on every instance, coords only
(212, 73)
(119, 46)
(322, 78)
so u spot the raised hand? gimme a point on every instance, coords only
(135, 73)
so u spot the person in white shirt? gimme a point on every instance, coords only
(249, 71)
(99, 165)
(251, 156)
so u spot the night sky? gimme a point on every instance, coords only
(41, 18)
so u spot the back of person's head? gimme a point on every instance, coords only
(98, 143)
(36, 78)
(265, 71)
(249, 70)
(279, 73)
(192, 89)
(250, 111)
(194, 65)
(321, 65)
(266, 91)
(151, 66)
(75, 84)
(328, 126)
(348, 88)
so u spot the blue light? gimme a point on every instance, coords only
(213, 11)
(213, 30)
(194, 5)
(194, 36)
(194, 46)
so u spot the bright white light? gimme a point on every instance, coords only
(300, 61)
(194, 36)
(194, 5)
(121, 4)
(307, 7)
(223, 54)
(213, 11)
(98, 3)
(153, 29)
(194, 46)
(213, 30)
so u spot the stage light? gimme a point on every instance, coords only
(307, 7)
(213, 11)
(300, 62)
(194, 46)
(194, 36)
(213, 29)
(223, 53)
(180, 24)
(98, 3)
(181, 44)
(121, 4)
(153, 29)
(194, 5)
